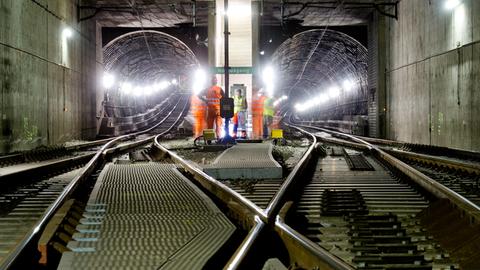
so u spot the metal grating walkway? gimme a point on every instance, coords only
(245, 161)
(146, 216)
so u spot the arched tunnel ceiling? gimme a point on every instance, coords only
(129, 57)
(312, 62)
(169, 13)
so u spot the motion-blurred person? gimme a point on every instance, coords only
(240, 114)
(257, 112)
(214, 94)
(198, 108)
(268, 113)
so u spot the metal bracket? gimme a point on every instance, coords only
(97, 10)
(332, 5)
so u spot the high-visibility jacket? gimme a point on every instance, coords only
(257, 104)
(239, 104)
(214, 94)
(197, 106)
(268, 109)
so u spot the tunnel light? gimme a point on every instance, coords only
(148, 90)
(334, 92)
(138, 91)
(199, 81)
(299, 107)
(174, 81)
(161, 86)
(451, 4)
(348, 85)
(323, 97)
(126, 88)
(268, 77)
(239, 10)
(279, 100)
(67, 32)
(108, 80)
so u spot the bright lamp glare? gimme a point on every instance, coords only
(268, 79)
(174, 81)
(67, 32)
(334, 92)
(284, 97)
(148, 90)
(163, 85)
(126, 87)
(451, 4)
(348, 85)
(238, 10)
(138, 91)
(199, 81)
(108, 80)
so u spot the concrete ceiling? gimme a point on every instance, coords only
(171, 13)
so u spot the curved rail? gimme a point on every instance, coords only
(276, 203)
(435, 188)
(71, 187)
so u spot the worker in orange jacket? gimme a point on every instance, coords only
(198, 108)
(212, 98)
(257, 113)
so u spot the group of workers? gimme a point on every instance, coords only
(208, 103)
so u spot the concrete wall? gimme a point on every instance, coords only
(433, 74)
(47, 83)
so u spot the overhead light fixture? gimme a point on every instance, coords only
(174, 81)
(451, 4)
(239, 10)
(67, 32)
(262, 52)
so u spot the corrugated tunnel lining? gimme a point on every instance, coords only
(337, 57)
(129, 57)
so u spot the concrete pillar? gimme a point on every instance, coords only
(376, 76)
(240, 42)
(211, 34)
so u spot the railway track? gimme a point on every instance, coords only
(322, 215)
(27, 205)
(458, 170)
(375, 216)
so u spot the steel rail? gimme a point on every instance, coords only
(432, 186)
(227, 195)
(452, 150)
(84, 173)
(276, 203)
(438, 161)
(311, 255)
(241, 253)
(150, 139)
(254, 215)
